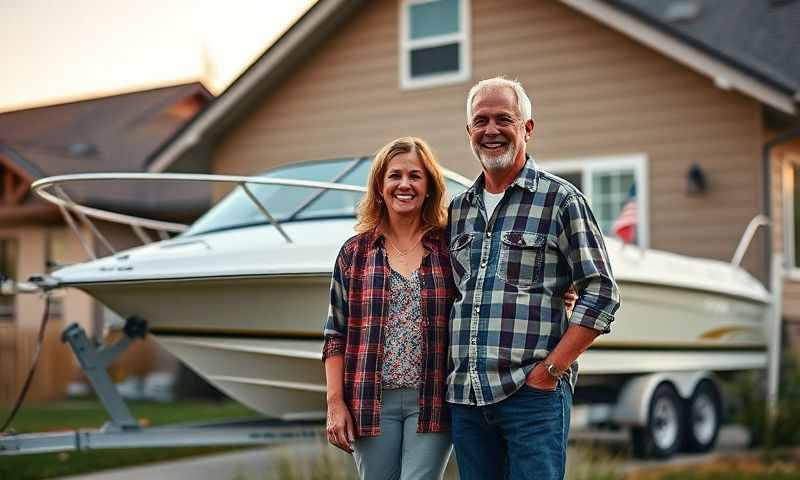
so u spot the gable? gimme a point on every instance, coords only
(14, 183)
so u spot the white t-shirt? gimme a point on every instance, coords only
(491, 200)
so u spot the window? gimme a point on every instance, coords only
(434, 42)
(9, 253)
(791, 217)
(608, 183)
(288, 203)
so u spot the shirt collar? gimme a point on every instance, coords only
(528, 179)
(429, 239)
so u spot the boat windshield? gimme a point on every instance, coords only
(289, 203)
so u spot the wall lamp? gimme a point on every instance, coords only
(697, 182)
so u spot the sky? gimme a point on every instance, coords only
(52, 52)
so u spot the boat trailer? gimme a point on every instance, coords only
(123, 431)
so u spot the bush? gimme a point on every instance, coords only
(783, 427)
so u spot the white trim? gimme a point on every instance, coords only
(722, 75)
(405, 45)
(791, 271)
(588, 165)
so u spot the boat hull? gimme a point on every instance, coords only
(258, 338)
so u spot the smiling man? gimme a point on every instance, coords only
(519, 237)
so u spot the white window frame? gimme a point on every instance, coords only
(406, 45)
(587, 166)
(791, 271)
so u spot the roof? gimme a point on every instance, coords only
(109, 134)
(745, 58)
(761, 37)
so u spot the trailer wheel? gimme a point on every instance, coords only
(703, 418)
(662, 435)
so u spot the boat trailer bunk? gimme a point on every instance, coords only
(123, 431)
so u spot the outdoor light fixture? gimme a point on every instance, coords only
(697, 181)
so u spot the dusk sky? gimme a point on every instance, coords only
(60, 51)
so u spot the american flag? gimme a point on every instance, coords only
(625, 225)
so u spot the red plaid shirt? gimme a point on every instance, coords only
(355, 326)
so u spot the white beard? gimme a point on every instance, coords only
(500, 161)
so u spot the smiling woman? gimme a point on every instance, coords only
(386, 333)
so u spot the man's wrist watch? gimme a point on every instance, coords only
(553, 371)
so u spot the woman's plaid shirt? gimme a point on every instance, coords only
(511, 273)
(355, 327)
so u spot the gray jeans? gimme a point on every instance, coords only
(399, 452)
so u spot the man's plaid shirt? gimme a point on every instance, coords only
(511, 273)
(355, 327)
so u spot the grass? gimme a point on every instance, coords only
(741, 467)
(586, 461)
(90, 414)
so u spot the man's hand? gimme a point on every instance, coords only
(540, 379)
(339, 426)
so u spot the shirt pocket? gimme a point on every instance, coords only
(521, 258)
(459, 257)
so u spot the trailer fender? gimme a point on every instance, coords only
(633, 404)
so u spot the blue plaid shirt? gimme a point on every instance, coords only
(511, 273)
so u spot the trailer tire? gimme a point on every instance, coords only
(663, 434)
(703, 418)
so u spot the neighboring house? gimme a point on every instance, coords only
(116, 133)
(679, 98)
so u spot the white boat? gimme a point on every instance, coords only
(242, 299)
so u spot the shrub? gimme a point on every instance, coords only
(782, 428)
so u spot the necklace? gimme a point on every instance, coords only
(401, 252)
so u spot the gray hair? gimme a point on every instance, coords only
(523, 102)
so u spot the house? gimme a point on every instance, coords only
(693, 102)
(115, 133)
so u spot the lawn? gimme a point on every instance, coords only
(587, 461)
(90, 414)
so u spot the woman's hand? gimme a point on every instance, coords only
(339, 426)
(570, 297)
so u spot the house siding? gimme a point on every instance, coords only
(595, 93)
(18, 338)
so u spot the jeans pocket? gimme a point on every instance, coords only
(540, 390)
(521, 258)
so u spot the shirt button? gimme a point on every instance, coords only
(477, 309)
(489, 234)
(483, 264)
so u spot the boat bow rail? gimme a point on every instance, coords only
(51, 189)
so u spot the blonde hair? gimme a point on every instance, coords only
(372, 211)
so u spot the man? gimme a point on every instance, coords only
(519, 238)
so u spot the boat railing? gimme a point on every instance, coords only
(51, 189)
(747, 237)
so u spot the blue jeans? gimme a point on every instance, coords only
(399, 452)
(521, 437)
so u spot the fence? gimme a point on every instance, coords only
(56, 364)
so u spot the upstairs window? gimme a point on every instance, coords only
(434, 42)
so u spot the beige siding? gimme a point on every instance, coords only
(595, 93)
(18, 339)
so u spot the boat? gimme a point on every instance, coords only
(240, 296)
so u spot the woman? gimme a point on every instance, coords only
(386, 335)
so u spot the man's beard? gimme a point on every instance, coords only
(500, 161)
